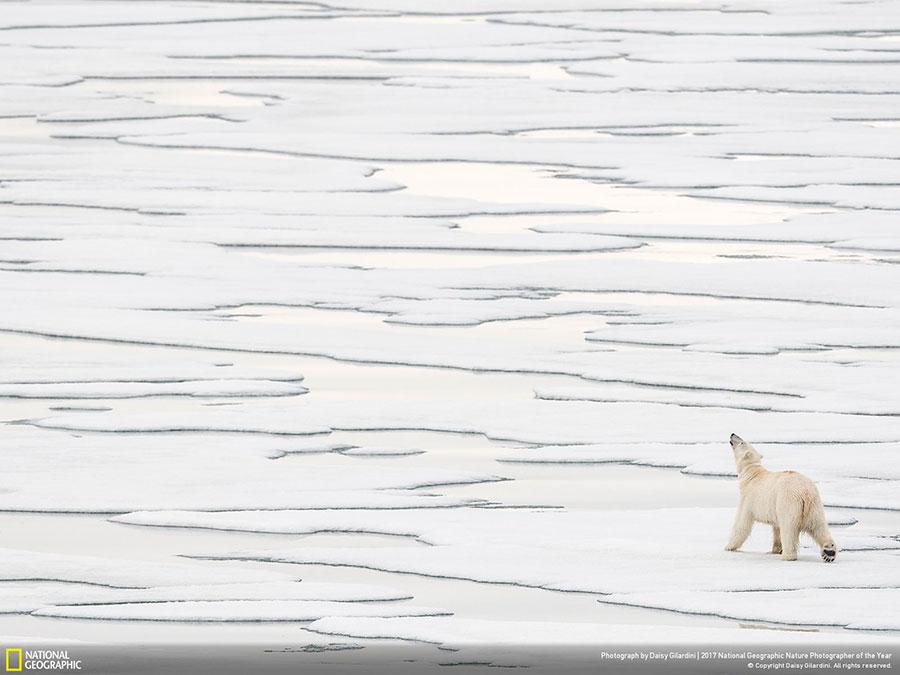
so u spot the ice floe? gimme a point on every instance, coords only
(232, 610)
(246, 247)
(446, 631)
(610, 553)
(858, 608)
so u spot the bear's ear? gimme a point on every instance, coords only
(748, 455)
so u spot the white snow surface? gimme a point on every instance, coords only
(401, 284)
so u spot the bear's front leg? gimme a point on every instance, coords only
(743, 523)
(776, 539)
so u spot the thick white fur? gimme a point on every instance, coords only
(786, 500)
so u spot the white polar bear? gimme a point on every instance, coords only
(786, 500)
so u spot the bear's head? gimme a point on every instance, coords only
(744, 454)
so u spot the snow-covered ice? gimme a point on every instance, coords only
(421, 299)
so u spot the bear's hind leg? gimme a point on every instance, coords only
(789, 527)
(776, 539)
(823, 538)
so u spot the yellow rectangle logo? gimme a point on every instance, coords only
(16, 652)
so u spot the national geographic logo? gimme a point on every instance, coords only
(17, 660)
(13, 659)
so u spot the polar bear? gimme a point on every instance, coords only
(786, 500)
